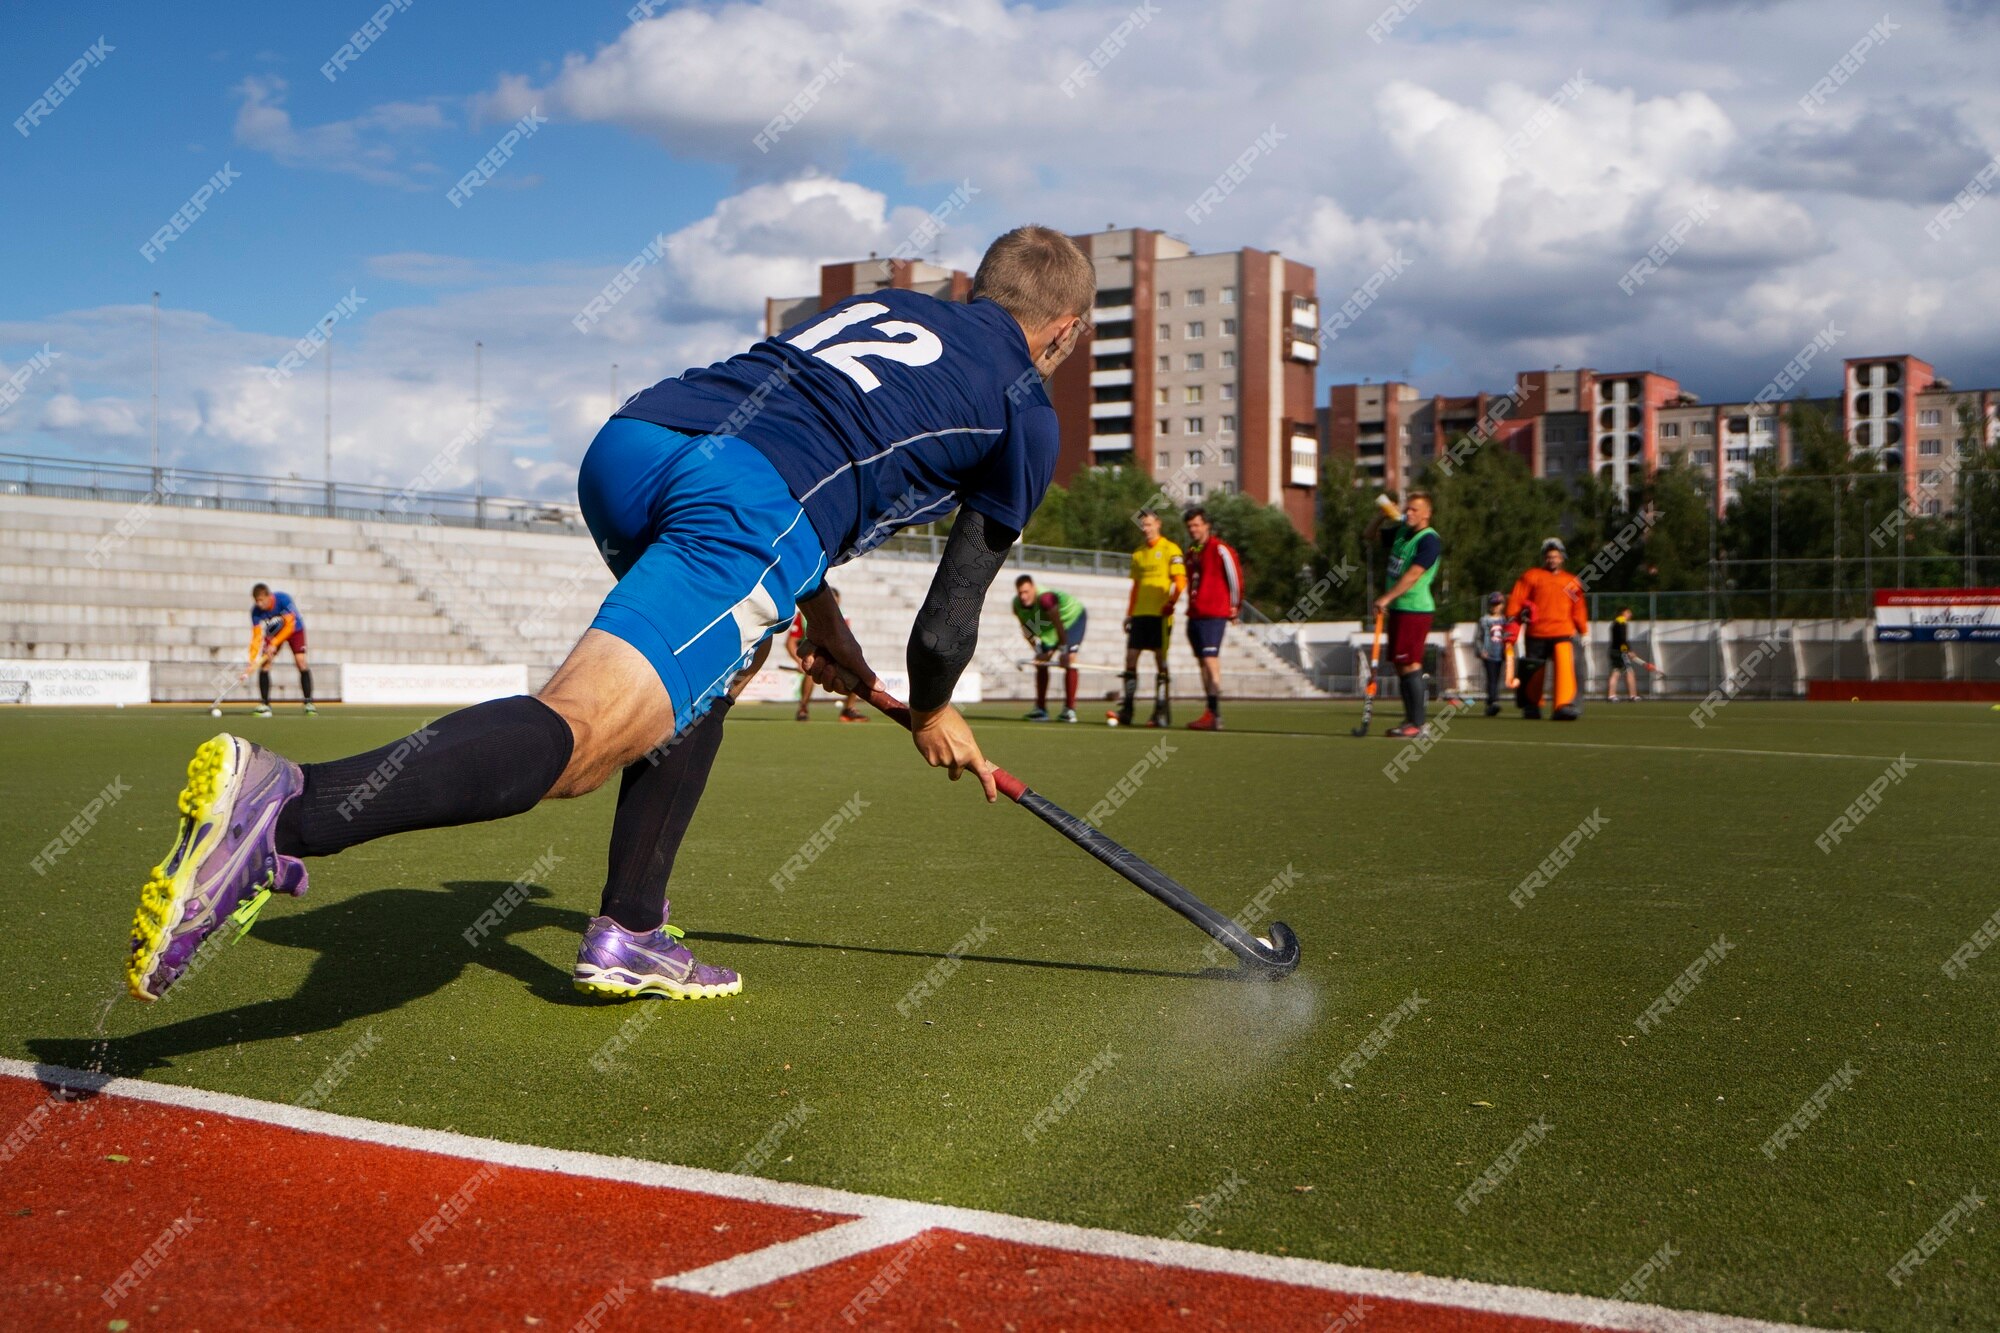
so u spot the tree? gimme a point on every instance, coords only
(1493, 517)
(1275, 557)
(1099, 511)
(1341, 565)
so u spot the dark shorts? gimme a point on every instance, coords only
(296, 641)
(1205, 635)
(1072, 638)
(1148, 633)
(1407, 632)
(1621, 659)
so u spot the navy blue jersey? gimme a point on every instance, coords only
(273, 620)
(886, 410)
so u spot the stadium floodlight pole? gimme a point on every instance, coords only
(614, 386)
(1267, 959)
(156, 390)
(329, 419)
(479, 440)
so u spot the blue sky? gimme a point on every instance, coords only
(1439, 131)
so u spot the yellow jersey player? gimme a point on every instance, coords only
(1159, 577)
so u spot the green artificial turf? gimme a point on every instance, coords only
(1527, 1013)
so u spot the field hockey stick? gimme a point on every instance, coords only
(1368, 693)
(1270, 961)
(226, 690)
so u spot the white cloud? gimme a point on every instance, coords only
(371, 146)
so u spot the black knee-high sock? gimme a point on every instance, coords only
(1131, 682)
(264, 686)
(306, 684)
(1405, 681)
(1420, 696)
(484, 762)
(1215, 705)
(655, 804)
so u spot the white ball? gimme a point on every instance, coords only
(119, 704)
(215, 712)
(1110, 721)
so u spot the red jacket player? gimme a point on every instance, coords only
(1215, 597)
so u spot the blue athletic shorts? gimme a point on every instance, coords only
(710, 550)
(1205, 635)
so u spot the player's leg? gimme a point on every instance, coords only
(1040, 712)
(1562, 675)
(1163, 687)
(1492, 667)
(1134, 647)
(1072, 646)
(264, 687)
(804, 713)
(305, 672)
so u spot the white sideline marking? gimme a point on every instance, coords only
(1665, 749)
(1490, 1298)
(793, 1257)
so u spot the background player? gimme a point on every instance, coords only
(794, 638)
(1215, 597)
(1053, 623)
(1159, 574)
(1549, 601)
(1621, 657)
(275, 622)
(723, 523)
(1492, 645)
(1414, 549)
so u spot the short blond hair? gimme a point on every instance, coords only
(1037, 275)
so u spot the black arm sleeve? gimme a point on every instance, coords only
(947, 628)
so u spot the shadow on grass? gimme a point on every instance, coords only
(1003, 960)
(376, 953)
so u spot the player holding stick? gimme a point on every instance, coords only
(1053, 623)
(275, 622)
(1413, 548)
(888, 409)
(1549, 602)
(1159, 575)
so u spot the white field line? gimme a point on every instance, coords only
(1590, 1311)
(792, 1257)
(1662, 749)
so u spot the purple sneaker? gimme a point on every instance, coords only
(223, 857)
(622, 964)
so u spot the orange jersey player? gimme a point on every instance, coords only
(1550, 602)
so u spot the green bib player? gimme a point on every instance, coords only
(1413, 548)
(1053, 623)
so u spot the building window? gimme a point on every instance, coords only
(1197, 361)
(1301, 305)
(1701, 428)
(1228, 358)
(1160, 394)
(1166, 333)
(1229, 296)
(1194, 455)
(1763, 425)
(1194, 426)
(1737, 455)
(1225, 486)
(1933, 507)
(1228, 455)
(1931, 416)
(1194, 490)
(1197, 296)
(1229, 329)
(1929, 477)
(1228, 392)
(1703, 457)
(1191, 394)
(1229, 428)
(1162, 426)
(1166, 300)
(1670, 430)
(1930, 446)
(1164, 458)
(1166, 363)
(1197, 330)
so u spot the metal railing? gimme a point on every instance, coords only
(196, 488)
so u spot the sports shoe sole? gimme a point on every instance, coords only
(618, 984)
(206, 804)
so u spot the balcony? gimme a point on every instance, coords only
(1306, 316)
(1304, 349)
(1111, 444)
(1107, 314)
(1110, 346)
(1101, 378)
(1103, 411)
(1305, 461)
